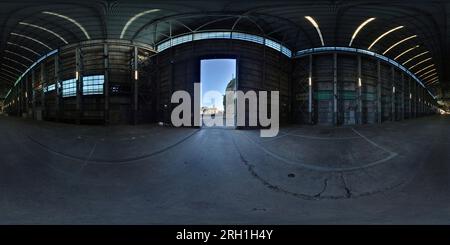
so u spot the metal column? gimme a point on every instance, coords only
(310, 95)
(19, 99)
(393, 94)
(106, 83)
(27, 95)
(135, 79)
(335, 112)
(410, 99)
(415, 99)
(402, 104)
(79, 79)
(57, 89)
(43, 81)
(379, 91)
(33, 94)
(359, 92)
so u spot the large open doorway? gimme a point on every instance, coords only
(217, 77)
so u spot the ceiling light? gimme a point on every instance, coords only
(45, 29)
(314, 23)
(359, 29)
(419, 63)
(406, 51)
(132, 19)
(25, 48)
(415, 57)
(71, 20)
(30, 38)
(434, 69)
(423, 69)
(399, 42)
(383, 35)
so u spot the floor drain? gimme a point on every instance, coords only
(291, 175)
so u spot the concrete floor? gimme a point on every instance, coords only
(394, 173)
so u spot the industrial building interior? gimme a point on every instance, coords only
(86, 129)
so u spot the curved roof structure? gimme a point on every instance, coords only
(413, 33)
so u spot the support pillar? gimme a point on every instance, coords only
(410, 99)
(33, 94)
(310, 91)
(79, 84)
(335, 101)
(43, 81)
(19, 99)
(106, 83)
(57, 89)
(27, 95)
(135, 83)
(379, 92)
(402, 104)
(359, 117)
(393, 94)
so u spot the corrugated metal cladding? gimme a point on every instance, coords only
(259, 68)
(386, 92)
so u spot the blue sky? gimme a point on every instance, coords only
(215, 75)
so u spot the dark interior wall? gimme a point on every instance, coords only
(375, 88)
(115, 63)
(300, 90)
(259, 68)
(369, 90)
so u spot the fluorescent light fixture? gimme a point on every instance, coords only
(71, 20)
(423, 69)
(385, 34)
(14, 61)
(18, 55)
(132, 19)
(434, 80)
(359, 29)
(415, 57)
(410, 96)
(425, 60)
(77, 75)
(405, 52)
(136, 75)
(45, 29)
(393, 89)
(399, 42)
(431, 75)
(359, 82)
(310, 81)
(30, 38)
(23, 47)
(314, 23)
(434, 69)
